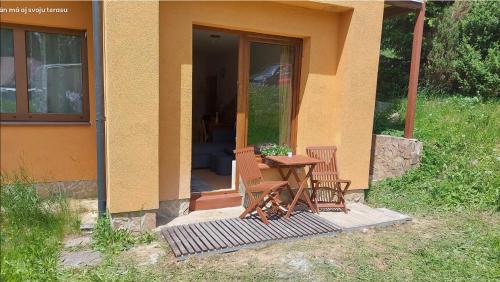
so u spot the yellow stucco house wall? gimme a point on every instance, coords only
(147, 59)
(52, 151)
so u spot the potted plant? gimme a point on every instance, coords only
(273, 150)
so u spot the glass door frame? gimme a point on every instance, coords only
(246, 38)
(219, 197)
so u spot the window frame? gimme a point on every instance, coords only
(22, 113)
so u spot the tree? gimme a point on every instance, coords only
(396, 45)
(465, 51)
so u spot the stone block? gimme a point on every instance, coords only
(355, 196)
(134, 221)
(173, 208)
(144, 255)
(80, 259)
(148, 221)
(77, 241)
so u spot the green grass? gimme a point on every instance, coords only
(454, 246)
(263, 114)
(460, 167)
(7, 103)
(31, 231)
(457, 247)
(112, 241)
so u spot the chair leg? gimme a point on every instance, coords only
(248, 210)
(275, 199)
(253, 203)
(262, 215)
(341, 194)
(265, 202)
(314, 195)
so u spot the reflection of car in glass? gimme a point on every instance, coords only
(8, 91)
(273, 75)
(56, 88)
(53, 88)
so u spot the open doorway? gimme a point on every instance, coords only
(215, 76)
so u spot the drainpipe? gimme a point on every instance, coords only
(99, 105)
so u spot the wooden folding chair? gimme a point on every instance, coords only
(254, 183)
(326, 175)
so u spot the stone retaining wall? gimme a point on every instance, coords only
(78, 189)
(393, 156)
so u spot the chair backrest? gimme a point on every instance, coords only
(248, 167)
(327, 170)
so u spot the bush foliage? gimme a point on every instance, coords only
(396, 47)
(460, 50)
(465, 54)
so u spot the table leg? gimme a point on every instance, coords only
(291, 207)
(286, 177)
(303, 183)
(301, 191)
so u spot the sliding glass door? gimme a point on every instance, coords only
(270, 79)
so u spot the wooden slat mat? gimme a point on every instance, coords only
(227, 235)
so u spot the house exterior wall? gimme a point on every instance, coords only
(131, 98)
(52, 151)
(148, 92)
(357, 77)
(338, 78)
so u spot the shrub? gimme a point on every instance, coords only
(391, 120)
(465, 54)
(396, 47)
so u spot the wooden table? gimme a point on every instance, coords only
(292, 163)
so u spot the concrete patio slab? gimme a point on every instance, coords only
(205, 215)
(362, 216)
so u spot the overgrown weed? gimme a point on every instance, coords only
(32, 230)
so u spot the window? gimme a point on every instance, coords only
(270, 93)
(7, 74)
(43, 74)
